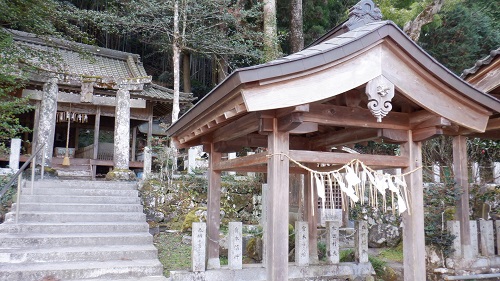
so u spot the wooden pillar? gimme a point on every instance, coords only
(461, 180)
(311, 213)
(413, 225)
(213, 209)
(276, 237)
(134, 141)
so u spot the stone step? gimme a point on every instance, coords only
(149, 278)
(110, 270)
(81, 227)
(27, 240)
(74, 207)
(72, 254)
(84, 184)
(78, 199)
(75, 217)
(79, 192)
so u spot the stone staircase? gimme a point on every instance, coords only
(78, 230)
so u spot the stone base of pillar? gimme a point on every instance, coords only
(120, 175)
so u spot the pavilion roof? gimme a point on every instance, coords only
(320, 56)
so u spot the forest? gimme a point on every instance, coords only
(214, 37)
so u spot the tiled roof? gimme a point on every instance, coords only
(157, 92)
(80, 60)
(481, 63)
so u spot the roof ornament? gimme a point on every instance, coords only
(380, 92)
(364, 12)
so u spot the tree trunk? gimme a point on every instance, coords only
(186, 72)
(175, 57)
(296, 27)
(414, 27)
(270, 31)
(222, 68)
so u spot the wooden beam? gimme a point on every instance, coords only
(413, 230)
(436, 121)
(276, 236)
(461, 175)
(334, 115)
(305, 128)
(240, 162)
(241, 127)
(393, 136)
(290, 122)
(426, 133)
(213, 209)
(257, 140)
(420, 116)
(343, 137)
(493, 124)
(288, 110)
(344, 158)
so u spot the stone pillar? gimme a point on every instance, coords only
(436, 173)
(230, 156)
(192, 153)
(473, 251)
(496, 172)
(235, 249)
(263, 219)
(454, 229)
(148, 159)
(332, 242)
(122, 130)
(486, 239)
(15, 152)
(301, 243)
(47, 119)
(497, 228)
(198, 246)
(361, 241)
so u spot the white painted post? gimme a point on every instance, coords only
(332, 241)
(198, 246)
(235, 255)
(454, 229)
(301, 243)
(192, 153)
(436, 171)
(496, 172)
(15, 152)
(486, 239)
(230, 156)
(361, 241)
(476, 175)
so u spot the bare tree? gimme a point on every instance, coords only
(414, 27)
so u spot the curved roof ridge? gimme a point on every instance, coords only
(480, 63)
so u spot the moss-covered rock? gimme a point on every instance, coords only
(254, 249)
(197, 214)
(120, 175)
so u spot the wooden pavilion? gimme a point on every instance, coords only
(365, 80)
(107, 93)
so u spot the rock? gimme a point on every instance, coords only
(382, 235)
(186, 239)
